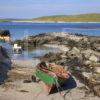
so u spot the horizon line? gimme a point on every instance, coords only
(9, 18)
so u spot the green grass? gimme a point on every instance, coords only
(71, 18)
(7, 20)
(1, 20)
(62, 18)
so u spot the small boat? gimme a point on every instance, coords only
(17, 49)
(51, 75)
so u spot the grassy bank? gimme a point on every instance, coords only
(60, 18)
(71, 18)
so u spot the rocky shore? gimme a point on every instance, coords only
(80, 53)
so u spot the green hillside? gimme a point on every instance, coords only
(71, 18)
(4, 20)
(60, 18)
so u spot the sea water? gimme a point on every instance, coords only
(22, 30)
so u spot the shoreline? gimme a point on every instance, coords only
(78, 60)
(49, 22)
(45, 22)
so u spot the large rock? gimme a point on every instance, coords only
(87, 62)
(75, 51)
(75, 54)
(87, 53)
(93, 58)
(97, 70)
(64, 48)
(87, 75)
(98, 48)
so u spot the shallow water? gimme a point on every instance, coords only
(34, 53)
(22, 30)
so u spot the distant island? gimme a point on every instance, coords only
(60, 19)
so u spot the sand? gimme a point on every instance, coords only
(15, 88)
(26, 63)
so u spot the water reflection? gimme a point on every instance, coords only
(34, 54)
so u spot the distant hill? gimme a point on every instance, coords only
(71, 18)
(60, 18)
(13, 19)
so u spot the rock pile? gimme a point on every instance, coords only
(83, 55)
(83, 59)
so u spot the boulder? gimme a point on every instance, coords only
(75, 51)
(98, 48)
(87, 62)
(93, 58)
(64, 48)
(87, 53)
(90, 78)
(97, 70)
(87, 75)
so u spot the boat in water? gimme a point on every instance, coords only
(17, 49)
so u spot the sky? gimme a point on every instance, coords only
(37, 8)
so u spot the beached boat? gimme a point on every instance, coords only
(52, 75)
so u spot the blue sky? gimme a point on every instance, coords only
(38, 8)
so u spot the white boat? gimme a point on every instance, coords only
(17, 49)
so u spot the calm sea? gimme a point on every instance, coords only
(22, 30)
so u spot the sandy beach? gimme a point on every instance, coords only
(29, 63)
(15, 87)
